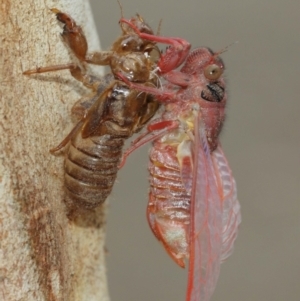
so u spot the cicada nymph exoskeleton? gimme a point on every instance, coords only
(107, 117)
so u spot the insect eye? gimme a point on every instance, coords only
(213, 72)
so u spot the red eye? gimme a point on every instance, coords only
(213, 72)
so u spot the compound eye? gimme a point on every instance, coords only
(213, 72)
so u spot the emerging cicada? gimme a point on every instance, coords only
(193, 208)
(110, 115)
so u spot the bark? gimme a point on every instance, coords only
(43, 255)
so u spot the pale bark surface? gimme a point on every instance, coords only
(43, 256)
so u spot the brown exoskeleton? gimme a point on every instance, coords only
(112, 114)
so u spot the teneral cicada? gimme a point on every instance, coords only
(111, 114)
(193, 208)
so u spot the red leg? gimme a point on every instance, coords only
(178, 78)
(160, 128)
(160, 125)
(174, 55)
(161, 95)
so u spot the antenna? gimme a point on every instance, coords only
(122, 16)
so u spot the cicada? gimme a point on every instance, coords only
(193, 208)
(109, 115)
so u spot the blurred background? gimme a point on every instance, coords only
(261, 139)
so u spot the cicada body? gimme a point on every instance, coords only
(108, 116)
(193, 208)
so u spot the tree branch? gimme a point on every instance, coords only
(43, 256)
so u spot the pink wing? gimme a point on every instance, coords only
(231, 207)
(214, 218)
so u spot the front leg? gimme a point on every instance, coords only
(163, 95)
(72, 35)
(174, 55)
(155, 130)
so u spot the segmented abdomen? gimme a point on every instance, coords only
(169, 202)
(91, 168)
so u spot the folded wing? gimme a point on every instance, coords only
(215, 216)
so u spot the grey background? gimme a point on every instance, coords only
(261, 138)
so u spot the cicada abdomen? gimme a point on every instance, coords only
(91, 168)
(108, 116)
(169, 203)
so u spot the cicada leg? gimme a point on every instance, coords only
(67, 138)
(161, 95)
(72, 34)
(155, 131)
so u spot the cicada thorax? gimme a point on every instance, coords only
(207, 89)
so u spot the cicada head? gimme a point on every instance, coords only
(204, 60)
(135, 57)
